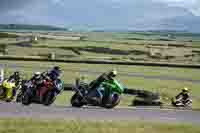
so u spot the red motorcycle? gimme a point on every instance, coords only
(45, 94)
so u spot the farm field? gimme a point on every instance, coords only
(109, 46)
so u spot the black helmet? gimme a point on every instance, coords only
(57, 69)
(16, 73)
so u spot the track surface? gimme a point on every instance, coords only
(13, 110)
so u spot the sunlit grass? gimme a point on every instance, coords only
(76, 126)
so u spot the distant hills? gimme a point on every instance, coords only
(182, 23)
(30, 27)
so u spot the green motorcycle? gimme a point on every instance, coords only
(109, 95)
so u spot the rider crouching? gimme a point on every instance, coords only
(37, 81)
(107, 81)
(15, 77)
(184, 96)
(53, 75)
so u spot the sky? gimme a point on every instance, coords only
(97, 13)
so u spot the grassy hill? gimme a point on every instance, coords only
(29, 27)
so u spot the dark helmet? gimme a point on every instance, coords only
(16, 74)
(57, 68)
(112, 74)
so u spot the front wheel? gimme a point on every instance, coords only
(50, 98)
(76, 100)
(2, 92)
(112, 101)
(26, 99)
(188, 104)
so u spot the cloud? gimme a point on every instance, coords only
(6, 5)
(191, 5)
(95, 13)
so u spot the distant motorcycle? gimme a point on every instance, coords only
(8, 90)
(179, 102)
(46, 94)
(80, 99)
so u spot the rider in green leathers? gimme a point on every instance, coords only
(103, 86)
(112, 85)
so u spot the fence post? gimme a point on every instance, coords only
(52, 56)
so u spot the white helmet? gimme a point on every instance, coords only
(112, 73)
(37, 75)
(185, 89)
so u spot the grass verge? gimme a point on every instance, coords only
(61, 126)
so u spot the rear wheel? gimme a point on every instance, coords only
(188, 104)
(76, 100)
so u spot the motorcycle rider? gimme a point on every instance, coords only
(37, 80)
(15, 77)
(105, 76)
(53, 75)
(81, 81)
(184, 95)
(107, 81)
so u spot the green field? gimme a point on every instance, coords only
(113, 46)
(61, 126)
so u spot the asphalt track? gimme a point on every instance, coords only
(34, 111)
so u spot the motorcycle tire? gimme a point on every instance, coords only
(50, 98)
(76, 100)
(2, 92)
(26, 99)
(112, 101)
